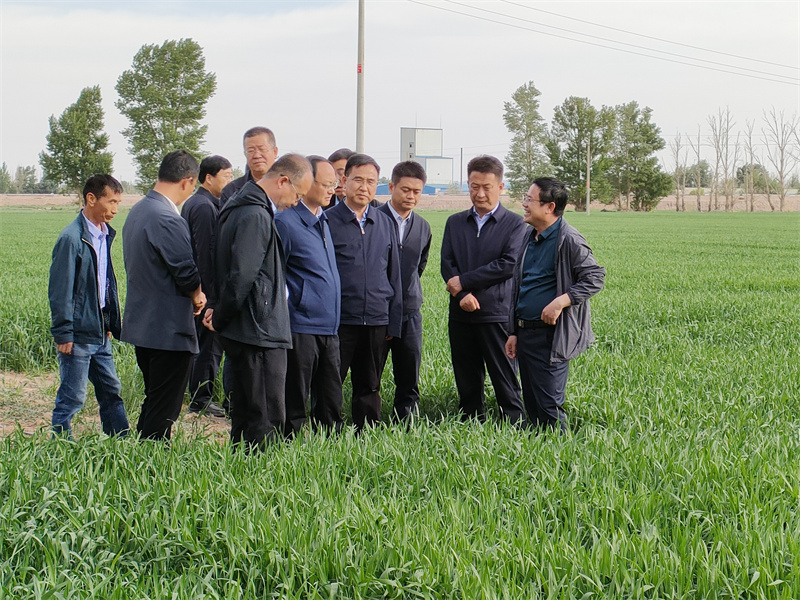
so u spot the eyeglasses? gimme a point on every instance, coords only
(329, 187)
(299, 197)
(527, 199)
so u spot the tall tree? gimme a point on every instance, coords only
(25, 179)
(696, 171)
(76, 144)
(680, 156)
(638, 176)
(779, 134)
(527, 158)
(6, 184)
(579, 130)
(164, 97)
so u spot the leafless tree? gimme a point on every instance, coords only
(698, 170)
(779, 133)
(749, 179)
(679, 156)
(716, 142)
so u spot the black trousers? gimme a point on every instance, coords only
(406, 359)
(259, 376)
(165, 374)
(361, 351)
(313, 367)
(206, 365)
(476, 348)
(543, 384)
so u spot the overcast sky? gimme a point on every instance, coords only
(291, 66)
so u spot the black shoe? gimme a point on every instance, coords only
(211, 410)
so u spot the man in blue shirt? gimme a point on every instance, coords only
(85, 310)
(551, 323)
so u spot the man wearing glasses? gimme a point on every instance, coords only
(260, 153)
(251, 314)
(368, 260)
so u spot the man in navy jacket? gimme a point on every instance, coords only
(164, 293)
(314, 305)
(479, 252)
(201, 212)
(414, 240)
(368, 260)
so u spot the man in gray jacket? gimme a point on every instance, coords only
(550, 323)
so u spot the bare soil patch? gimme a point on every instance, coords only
(26, 403)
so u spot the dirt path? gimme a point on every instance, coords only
(26, 403)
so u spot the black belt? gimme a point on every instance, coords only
(538, 324)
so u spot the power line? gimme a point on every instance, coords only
(649, 37)
(597, 37)
(599, 45)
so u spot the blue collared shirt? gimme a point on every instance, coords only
(481, 220)
(538, 286)
(363, 220)
(401, 222)
(100, 244)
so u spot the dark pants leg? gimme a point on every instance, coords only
(165, 373)
(473, 347)
(313, 367)
(543, 383)
(227, 385)
(259, 376)
(406, 358)
(361, 350)
(206, 364)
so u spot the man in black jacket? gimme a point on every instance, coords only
(260, 153)
(414, 240)
(201, 212)
(251, 313)
(479, 252)
(369, 267)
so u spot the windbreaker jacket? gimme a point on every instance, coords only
(369, 269)
(234, 186)
(413, 258)
(159, 313)
(577, 274)
(484, 261)
(251, 305)
(311, 273)
(72, 291)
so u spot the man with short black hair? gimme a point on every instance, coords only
(414, 242)
(479, 252)
(339, 161)
(314, 298)
(260, 152)
(84, 306)
(201, 212)
(551, 322)
(368, 260)
(164, 293)
(251, 314)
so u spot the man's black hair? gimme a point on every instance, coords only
(178, 165)
(97, 184)
(315, 159)
(408, 168)
(211, 165)
(359, 160)
(552, 190)
(486, 164)
(341, 154)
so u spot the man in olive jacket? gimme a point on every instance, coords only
(251, 313)
(551, 323)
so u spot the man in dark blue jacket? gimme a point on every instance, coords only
(414, 238)
(251, 314)
(368, 260)
(201, 212)
(314, 298)
(84, 306)
(479, 252)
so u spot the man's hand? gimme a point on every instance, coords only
(511, 347)
(207, 319)
(65, 348)
(553, 310)
(454, 285)
(199, 301)
(469, 303)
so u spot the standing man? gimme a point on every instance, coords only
(314, 306)
(85, 310)
(369, 268)
(251, 314)
(479, 251)
(414, 239)
(164, 293)
(551, 322)
(339, 161)
(201, 212)
(260, 153)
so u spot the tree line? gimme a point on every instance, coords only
(608, 154)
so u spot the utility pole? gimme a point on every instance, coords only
(588, 172)
(360, 85)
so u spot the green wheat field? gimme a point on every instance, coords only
(680, 477)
